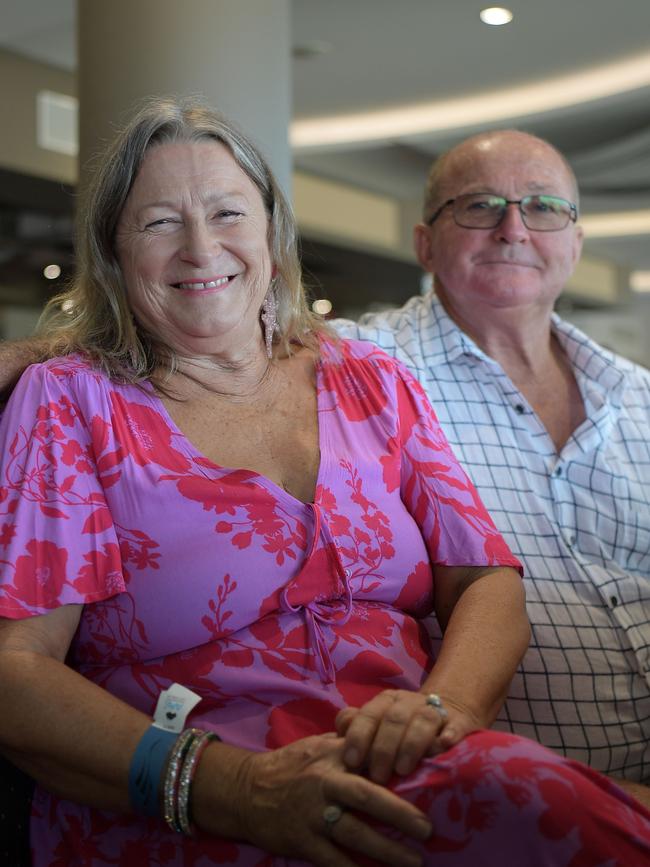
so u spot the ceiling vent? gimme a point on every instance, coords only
(56, 122)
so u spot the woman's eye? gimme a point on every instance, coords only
(227, 214)
(164, 221)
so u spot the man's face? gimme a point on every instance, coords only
(510, 266)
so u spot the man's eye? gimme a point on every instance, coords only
(545, 205)
(483, 205)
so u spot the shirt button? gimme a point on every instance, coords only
(558, 470)
(614, 601)
(347, 573)
(520, 409)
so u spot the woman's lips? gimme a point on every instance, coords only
(202, 285)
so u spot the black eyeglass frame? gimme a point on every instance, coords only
(573, 211)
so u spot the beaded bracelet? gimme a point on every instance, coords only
(188, 770)
(170, 786)
(179, 774)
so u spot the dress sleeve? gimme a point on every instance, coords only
(58, 544)
(456, 527)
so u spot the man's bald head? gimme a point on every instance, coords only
(450, 165)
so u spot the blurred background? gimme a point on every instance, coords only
(352, 100)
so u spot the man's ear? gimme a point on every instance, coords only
(578, 237)
(423, 246)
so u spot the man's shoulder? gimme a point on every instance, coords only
(411, 332)
(389, 321)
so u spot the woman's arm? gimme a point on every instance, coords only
(77, 740)
(486, 632)
(480, 607)
(482, 612)
(69, 734)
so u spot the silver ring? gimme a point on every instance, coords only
(331, 815)
(434, 700)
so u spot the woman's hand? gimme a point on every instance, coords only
(394, 731)
(283, 795)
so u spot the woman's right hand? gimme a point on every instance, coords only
(281, 796)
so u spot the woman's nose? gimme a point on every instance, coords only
(199, 245)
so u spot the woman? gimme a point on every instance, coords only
(217, 493)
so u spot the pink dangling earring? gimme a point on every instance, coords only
(269, 318)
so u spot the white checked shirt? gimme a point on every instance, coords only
(579, 522)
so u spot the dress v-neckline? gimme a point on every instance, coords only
(203, 463)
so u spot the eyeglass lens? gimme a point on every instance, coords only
(484, 211)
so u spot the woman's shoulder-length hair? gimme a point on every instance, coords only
(93, 316)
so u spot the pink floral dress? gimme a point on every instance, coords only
(277, 612)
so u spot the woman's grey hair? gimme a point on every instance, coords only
(93, 316)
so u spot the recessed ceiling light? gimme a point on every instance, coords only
(51, 272)
(322, 306)
(496, 15)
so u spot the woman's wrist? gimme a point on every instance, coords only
(220, 790)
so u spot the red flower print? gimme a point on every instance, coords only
(325, 498)
(358, 391)
(7, 533)
(104, 569)
(299, 719)
(365, 676)
(40, 574)
(416, 593)
(144, 435)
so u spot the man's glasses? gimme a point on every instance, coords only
(485, 211)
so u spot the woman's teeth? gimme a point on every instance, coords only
(210, 284)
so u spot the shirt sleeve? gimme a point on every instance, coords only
(58, 544)
(456, 527)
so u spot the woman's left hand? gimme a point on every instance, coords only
(394, 731)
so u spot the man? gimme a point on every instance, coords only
(553, 430)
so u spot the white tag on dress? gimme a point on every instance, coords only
(174, 706)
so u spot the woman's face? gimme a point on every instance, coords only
(192, 245)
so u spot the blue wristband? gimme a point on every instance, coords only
(147, 766)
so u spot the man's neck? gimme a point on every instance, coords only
(524, 345)
(520, 340)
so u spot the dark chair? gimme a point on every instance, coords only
(16, 790)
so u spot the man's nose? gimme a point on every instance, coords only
(512, 228)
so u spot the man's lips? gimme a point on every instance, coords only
(512, 262)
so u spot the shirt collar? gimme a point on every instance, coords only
(595, 364)
(452, 342)
(587, 358)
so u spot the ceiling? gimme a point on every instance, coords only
(375, 55)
